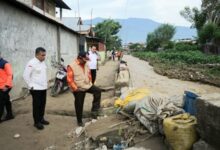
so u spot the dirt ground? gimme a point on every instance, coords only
(143, 75)
(60, 110)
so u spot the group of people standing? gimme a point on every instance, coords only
(81, 76)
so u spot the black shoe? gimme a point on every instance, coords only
(45, 122)
(9, 117)
(39, 126)
(94, 114)
(80, 124)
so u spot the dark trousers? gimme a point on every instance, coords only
(79, 101)
(93, 74)
(5, 103)
(39, 103)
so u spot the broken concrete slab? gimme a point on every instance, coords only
(103, 126)
(202, 145)
(208, 112)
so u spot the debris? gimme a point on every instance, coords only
(79, 131)
(126, 114)
(102, 147)
(103, 139)
(84, 144)
(52, 147)
(106, 89)
(87, 123)
(114, 125)
(94, 120)
(70, 134)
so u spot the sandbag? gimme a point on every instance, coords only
(180, 131)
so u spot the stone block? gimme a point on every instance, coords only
(208, 117)
(202, 145)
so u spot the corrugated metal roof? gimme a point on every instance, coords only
(73, 23)
(61, 4)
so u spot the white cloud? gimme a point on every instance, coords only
(164, 11)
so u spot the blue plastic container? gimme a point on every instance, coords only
(190, 102)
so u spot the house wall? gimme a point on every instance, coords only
(27, 2)
(69, 46)
(50, 7)
(21, 33)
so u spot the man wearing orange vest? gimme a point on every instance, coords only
(79, 80)
(5, 87)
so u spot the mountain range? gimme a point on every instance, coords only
(136, 29)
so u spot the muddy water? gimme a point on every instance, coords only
(143, 75)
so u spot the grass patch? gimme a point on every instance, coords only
(190, 65)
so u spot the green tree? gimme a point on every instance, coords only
(194, 16)
(206, 20)
(108, 30)
(212, 9)
(160, 37)
(209, 33)
(136, 47)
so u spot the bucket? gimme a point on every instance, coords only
(190, 102)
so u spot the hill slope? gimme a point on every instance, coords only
(136, 29)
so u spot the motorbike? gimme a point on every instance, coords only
(60, 84)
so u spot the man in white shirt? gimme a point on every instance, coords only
(35, 75)
(94, 57)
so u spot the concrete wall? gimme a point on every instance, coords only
(21, 33)
(208, 118)
(27, 2)
(69, 48)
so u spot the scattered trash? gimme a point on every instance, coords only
(84, 144)
(118, 147)
(102, 147)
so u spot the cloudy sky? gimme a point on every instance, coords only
(163, 11)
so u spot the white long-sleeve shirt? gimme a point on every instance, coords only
(93, 57)
(35, 74)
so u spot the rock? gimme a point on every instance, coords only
(94, 120)
(52, 147)
(16, 136)
(208, 112)
(87, 123)
(202, 145)
(79, 131)
(70, 134)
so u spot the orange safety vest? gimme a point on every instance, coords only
(5, 74)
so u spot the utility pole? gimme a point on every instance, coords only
(91, 17)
